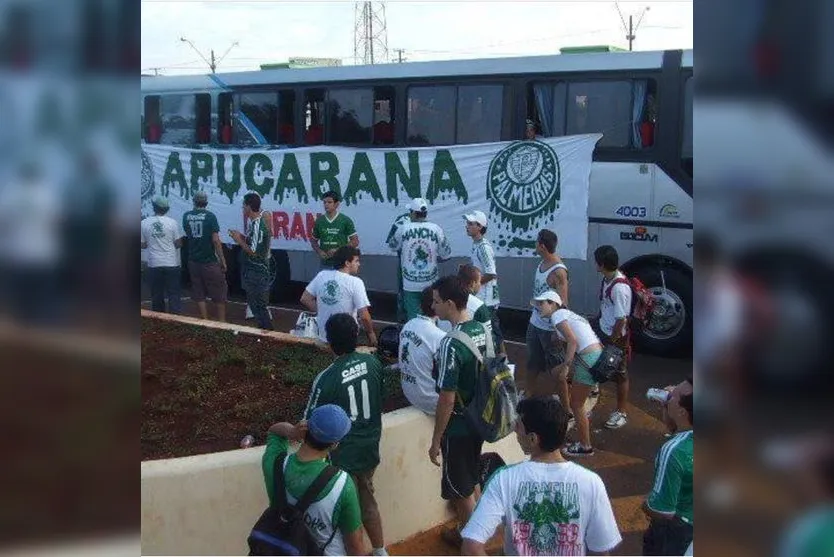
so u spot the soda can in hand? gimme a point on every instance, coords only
(658, 395)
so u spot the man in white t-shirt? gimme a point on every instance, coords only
(483, 257)
(419, 341)
(614, 311)
(340, 291)
(421, 245)
(548, 506)
(163, 236)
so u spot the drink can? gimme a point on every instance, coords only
(658, 395)
(247, 442)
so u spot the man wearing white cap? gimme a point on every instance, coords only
(421, 245)
(483, 257)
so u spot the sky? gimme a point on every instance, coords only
(269, 31)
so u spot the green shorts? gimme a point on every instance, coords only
(411, 304)
(581, 374)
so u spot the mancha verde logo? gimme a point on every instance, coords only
(524, 183)
(148, 179)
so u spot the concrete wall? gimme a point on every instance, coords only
(207, 504)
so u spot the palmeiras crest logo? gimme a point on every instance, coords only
(330, 293)
(524, 183)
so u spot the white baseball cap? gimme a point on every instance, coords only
(418, 205)
(476, 216)
(550, 295)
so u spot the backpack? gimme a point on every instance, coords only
(642, 300)
(281, 530)
(491, 412)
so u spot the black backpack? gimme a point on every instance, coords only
(281, 530)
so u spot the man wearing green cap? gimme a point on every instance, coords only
(206, 262)
(162, 236)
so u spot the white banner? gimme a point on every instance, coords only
(522, 186)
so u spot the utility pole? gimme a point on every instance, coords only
(212, 63)
(631, 28)
(400, 52)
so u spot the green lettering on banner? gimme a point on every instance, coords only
(362, 178)
(396, 172)
(202, 166)
(320, 176)
(445, 178)
(174, 175)
(290, 179)
(253, 163)
(230, 188)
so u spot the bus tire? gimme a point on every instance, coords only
(672, 334)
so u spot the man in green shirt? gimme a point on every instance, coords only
(256, 256)
(354, 382)
(457, 369)
(333, 519)
(206, 262)
(669, 505)
(332, 230)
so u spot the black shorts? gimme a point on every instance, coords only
(667, 537)
(544, 351)
(461, 465)
(497, 335)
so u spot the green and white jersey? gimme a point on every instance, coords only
(421, 245)
(483, 257)
(199, 226)
(354, 382)
(336, 507)
(540, 286)
(258, 240)
(477, 310)
(672, 488)
(333, 234)
(457, 370)
(812, 535)
(399, 221)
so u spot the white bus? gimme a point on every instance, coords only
(640, 198)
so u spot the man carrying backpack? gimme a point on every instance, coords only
(614, 312)
(333, 518)
(354, 382)
(457, 368)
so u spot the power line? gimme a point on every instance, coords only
(212, 64)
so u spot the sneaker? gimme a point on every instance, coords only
(617, 420)
(452, 536)
(576, 449)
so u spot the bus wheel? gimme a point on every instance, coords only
(669, 332)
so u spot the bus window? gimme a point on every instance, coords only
(314, 115)
(286, 117)
(350, 116)
(479, 113)
(153, 124)
(617, 109)
(686, 140)
(546, 107)
(258, 118)
(384, 120)
(431, 115)
(225, 109)
(203, 109)
(179, 119)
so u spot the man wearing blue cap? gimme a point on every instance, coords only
(334, 518)
(163, 237)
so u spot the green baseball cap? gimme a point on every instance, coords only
(161, 202)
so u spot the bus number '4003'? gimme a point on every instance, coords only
(630, 211)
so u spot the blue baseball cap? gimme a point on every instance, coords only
(328, 424)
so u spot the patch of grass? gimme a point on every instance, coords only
(231, 355)
(298, 375)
